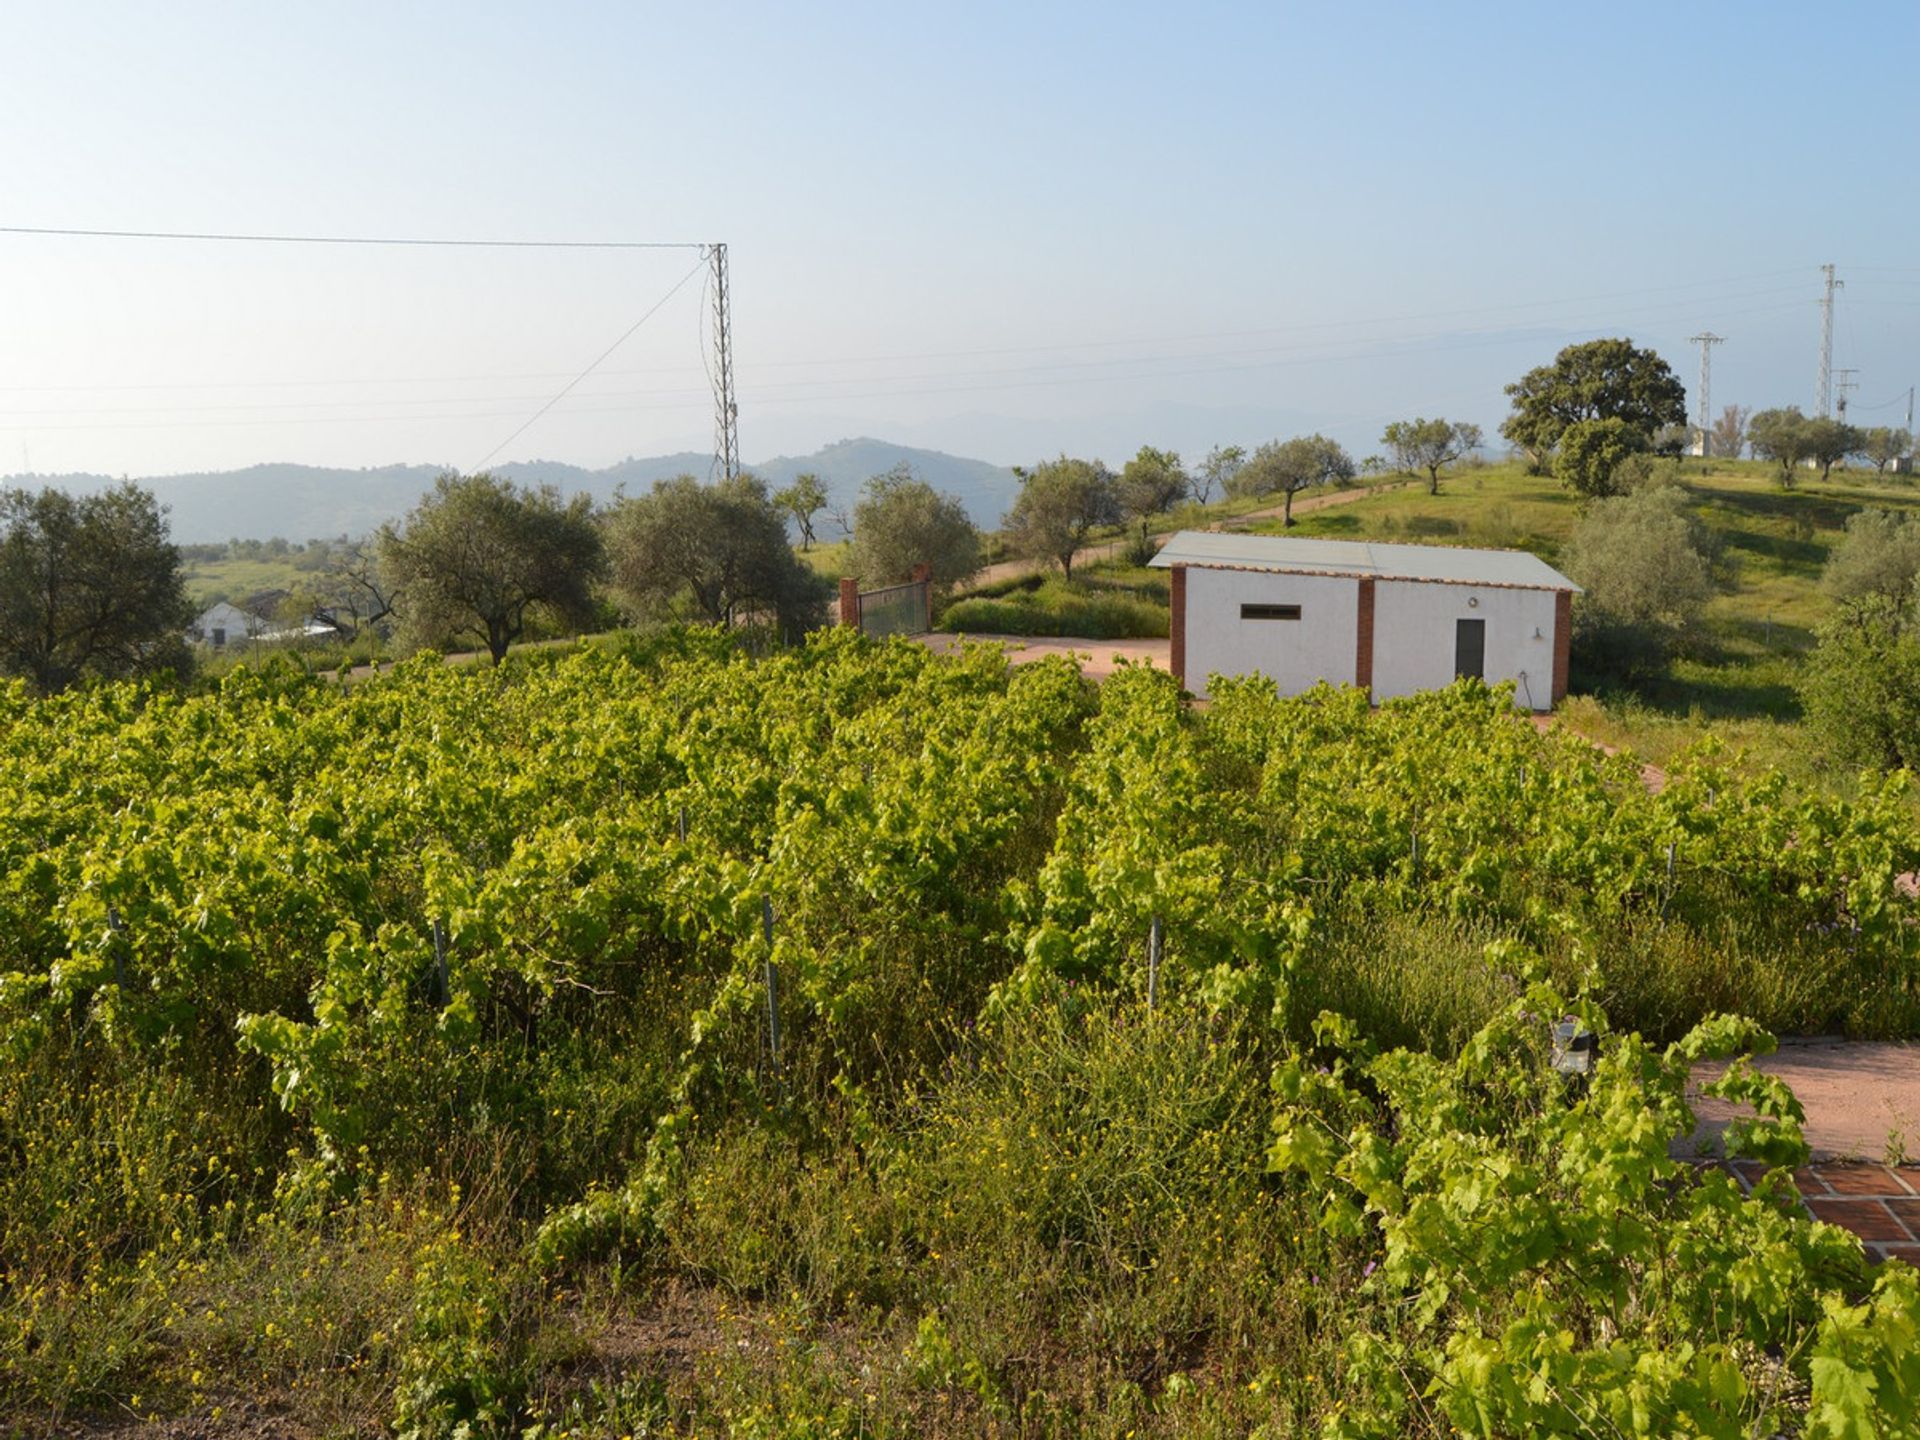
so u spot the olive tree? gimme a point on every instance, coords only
(1061, 503)
(1780, 435)
(1879, 555)
(719, 552)
(803, 499)
(1286, 467)
(902, 523)
(1882, 445)
(479, 556)
(1223, 462)
(1150, 484)
(1641, 560)
(1429, 445)
(90, 586)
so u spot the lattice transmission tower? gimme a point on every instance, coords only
(1823, 395)
(726, 413)
(1706, 340)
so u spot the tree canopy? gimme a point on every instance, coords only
(902, 522)
(1791, 439)
(720, 550)
(1591, 454)
(479, 555)
(1223, 462)
(1596, 380)
(1882, 445)
(1642, 561)
(1150, 484)
(1429, 445)
(1061, 502)
(1779, 435)
(803, 499)
(1286, 467)
(90, 586)
(1879, 555)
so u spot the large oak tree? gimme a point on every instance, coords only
(1597, 380)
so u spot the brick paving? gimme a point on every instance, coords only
(1879, 1203)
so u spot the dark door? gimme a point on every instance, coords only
(1470, 649)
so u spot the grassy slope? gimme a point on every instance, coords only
(237, 579)
(1774, 544)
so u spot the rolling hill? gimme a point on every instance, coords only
(304, 501)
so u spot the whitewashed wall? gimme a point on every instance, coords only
(1320, 645)
(1413, 637)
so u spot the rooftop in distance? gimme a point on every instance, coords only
(1289, 554)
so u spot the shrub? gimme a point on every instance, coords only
(1862, 686)
(1646, 578)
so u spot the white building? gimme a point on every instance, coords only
(1391, 619)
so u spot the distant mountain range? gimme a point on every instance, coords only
(301, 502)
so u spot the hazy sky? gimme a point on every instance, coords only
(1002, 230)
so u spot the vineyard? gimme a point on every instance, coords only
(655, 1038)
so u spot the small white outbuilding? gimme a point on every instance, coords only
(1391, 619)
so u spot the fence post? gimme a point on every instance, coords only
(850, 601)
(773, 982)
(119, 949)
(441, 984)
(1153, 963)
(923, 577)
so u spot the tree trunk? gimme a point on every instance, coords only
(1433, 480)
(1287, 511)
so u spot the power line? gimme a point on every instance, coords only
(566, 389)
(352, 239)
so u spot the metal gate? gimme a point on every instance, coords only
(892, 609)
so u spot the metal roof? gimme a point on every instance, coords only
(1297, 555)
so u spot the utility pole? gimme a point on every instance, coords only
(726, 414)
(1823, 396)
(1706, 340)
(1844, 384)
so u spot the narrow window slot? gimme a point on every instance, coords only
(1269, 612)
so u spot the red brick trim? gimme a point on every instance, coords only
(849, 600)
(1177, 623)
(1562, 642)
(1363, 642)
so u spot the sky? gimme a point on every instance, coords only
(1005, 231)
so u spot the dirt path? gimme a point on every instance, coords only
(1097, 658)
(1109, 549)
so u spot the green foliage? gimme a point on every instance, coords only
(1592, 453)
(1150, 484)
(1055, 607)
(1862, 685)
(718, 552)
(1880, 555)
(803, 499)
(1430, 445)
(1216, 472)
(90, 587)
(369, 1046)
(1540, 1266)
(1790, 439)
(902, 523)
(1596, 380)
(479, 555)
(1061, 503)
(1639, 558)
(1881, 445)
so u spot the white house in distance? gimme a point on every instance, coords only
(1391, 619)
